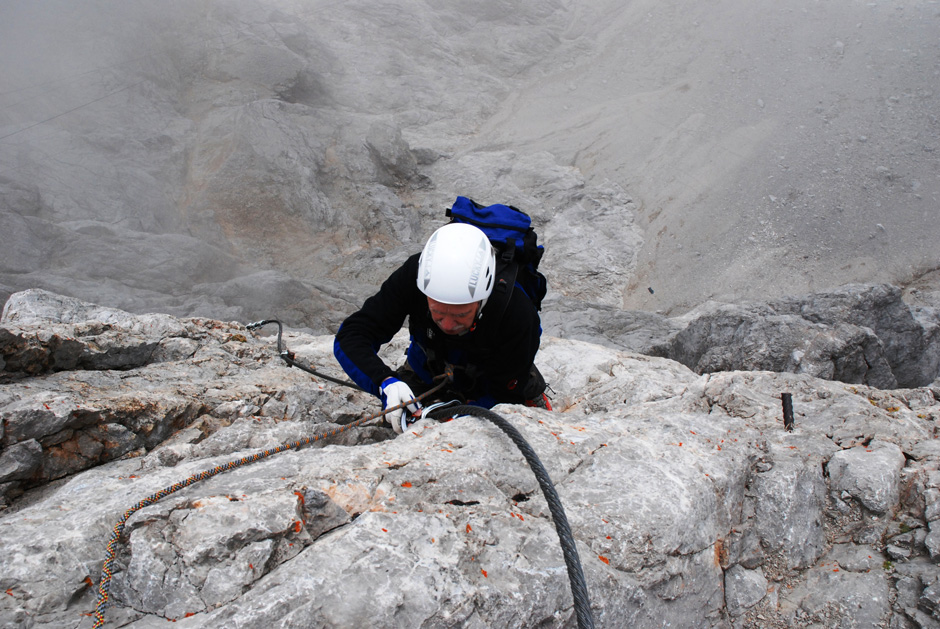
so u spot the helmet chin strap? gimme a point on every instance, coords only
(476, 318)
(480, 311)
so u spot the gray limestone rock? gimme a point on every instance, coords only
(932, 504)
(444, 524)
(736, 339)
(869, 474)
(743, 589)
(930, 599)
(858, 334)
(932, 541)
(908, 347)
(835, 598)
(606, 325)
(20, 460)
(789, 500)
(855, 558)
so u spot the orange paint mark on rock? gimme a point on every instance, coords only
(468, 528)
(484, 574)
(298, 525)
(385, 530)
(604, 559)
(406, 484)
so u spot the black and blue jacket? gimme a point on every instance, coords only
(492, 361)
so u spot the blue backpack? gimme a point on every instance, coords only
(517, 250)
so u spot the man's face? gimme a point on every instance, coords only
(453, 318)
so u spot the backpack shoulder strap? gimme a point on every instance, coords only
(502, 291)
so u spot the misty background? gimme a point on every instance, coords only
(250, 159)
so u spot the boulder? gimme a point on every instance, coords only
(857, 334)
(870, 474)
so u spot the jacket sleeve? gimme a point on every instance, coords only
(364, 332)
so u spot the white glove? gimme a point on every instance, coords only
(394, 392)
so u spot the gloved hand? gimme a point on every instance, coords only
(394, 392)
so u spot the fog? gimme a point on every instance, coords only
(250, 159)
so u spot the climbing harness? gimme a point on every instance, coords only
(438, 411)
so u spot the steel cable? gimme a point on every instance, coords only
(288, 356)
(582, 604)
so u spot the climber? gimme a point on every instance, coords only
(444, 292)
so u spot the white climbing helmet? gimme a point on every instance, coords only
(458, 265)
